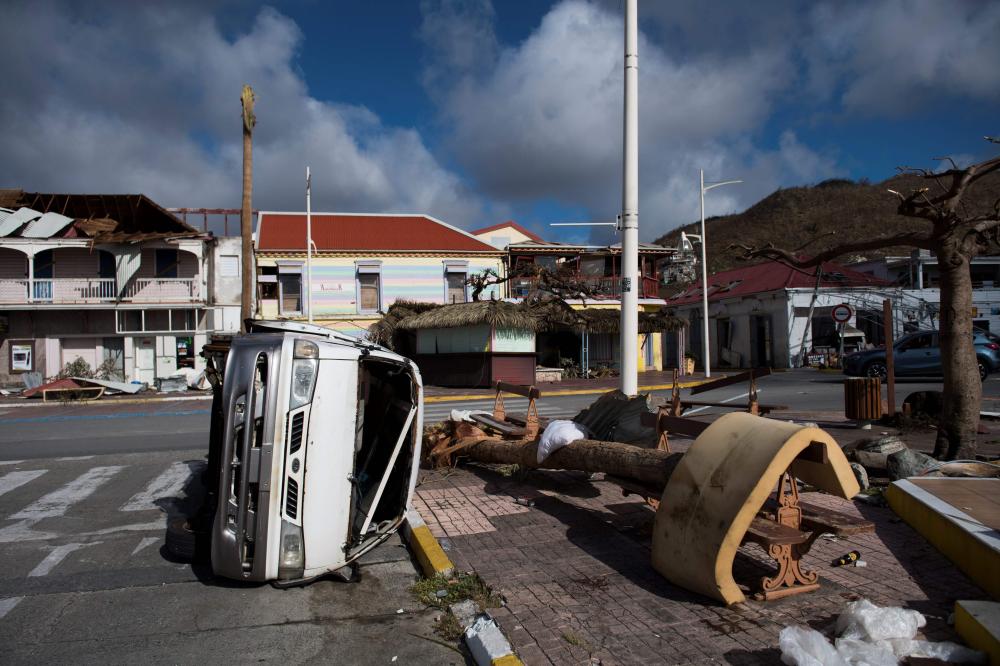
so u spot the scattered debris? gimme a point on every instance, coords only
(906, 463)
(524, 501)
(861, 474)
(924, 405)
(868, 634)
(849, 558)
(558, 434)
(874, 452)
(171, 384)
(486, 642)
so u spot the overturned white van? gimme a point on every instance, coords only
(317, 436)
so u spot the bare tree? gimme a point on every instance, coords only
(543, 284)
(955, 235)
(247, 301)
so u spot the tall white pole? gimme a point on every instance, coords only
(704, 281)
(630, 208)
(309, 242)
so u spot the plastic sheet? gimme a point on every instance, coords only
(807, 647)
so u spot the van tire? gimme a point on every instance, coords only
(181, 541)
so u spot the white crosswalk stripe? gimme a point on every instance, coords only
(55, 556)
(13, 480)
(167, 485)
(58, 501)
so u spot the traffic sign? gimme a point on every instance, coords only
(842, 313)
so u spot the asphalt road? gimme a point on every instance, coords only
(84, 578)
(101, 428)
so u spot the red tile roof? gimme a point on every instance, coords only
(347, 231)
(514, 225)
(772, 276)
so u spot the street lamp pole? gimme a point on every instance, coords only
(629, 329)
(704, 269)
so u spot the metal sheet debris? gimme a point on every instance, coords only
(124, 387)
(47, 226)
(18, 219)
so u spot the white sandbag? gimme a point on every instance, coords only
(807, 647)
(865, 621)
(558, 434)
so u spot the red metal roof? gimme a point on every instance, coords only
(345, 231)
(514, 225)
(772, 276)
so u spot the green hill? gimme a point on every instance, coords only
(802, 216)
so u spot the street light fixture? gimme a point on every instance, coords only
(704, 268)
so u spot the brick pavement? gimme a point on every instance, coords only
(576, 575)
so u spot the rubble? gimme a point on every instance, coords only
(906, 463)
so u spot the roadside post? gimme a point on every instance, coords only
(890, 372)
(841, 315)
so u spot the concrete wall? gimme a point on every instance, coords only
(225, 289)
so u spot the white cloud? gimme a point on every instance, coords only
(889, 57)
(545, 120)
(146, 98)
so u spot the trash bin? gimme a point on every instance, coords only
(863, 398)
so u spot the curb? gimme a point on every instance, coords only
(105, 403)
(486, 641)
(429, 553)
(551, 394)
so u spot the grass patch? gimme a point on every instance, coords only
(447, 627)
(463, 586)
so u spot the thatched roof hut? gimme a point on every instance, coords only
(383, 332)
(495, 314)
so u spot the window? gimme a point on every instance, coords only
(229, 266)
(166, 263)
(107, 265)
(455, 274)
(290, 290)
(369, 286)
(456, 288)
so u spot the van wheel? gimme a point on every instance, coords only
(181, 540)
(876, 369)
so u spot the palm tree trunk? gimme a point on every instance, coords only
(963, 390)
(246, 230)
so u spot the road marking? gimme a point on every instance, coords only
(689, 412)
(11, 462)
(72, 458)
(7, 605)
(12, 480)
(57, 555)
(167, 485)
(146, 541)
(58, 501)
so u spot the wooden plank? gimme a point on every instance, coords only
(683, 426)
(729, 381)
(769, 533)
(500, 426)
(820, 519)
(526, 391)
(731, 405)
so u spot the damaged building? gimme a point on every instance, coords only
(115, 280)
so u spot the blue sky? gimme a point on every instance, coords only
(477, 112)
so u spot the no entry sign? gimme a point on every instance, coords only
(842, 313)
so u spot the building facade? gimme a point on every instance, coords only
(362, 264)
(114, 280)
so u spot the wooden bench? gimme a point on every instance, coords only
(787, 528)
(526, 428)
(752, 405)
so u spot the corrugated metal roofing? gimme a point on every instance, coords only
(18, 219)
(771, 276)
(346, 231)
(46, 226)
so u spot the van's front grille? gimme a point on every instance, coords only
(295, 432)
(292, 499)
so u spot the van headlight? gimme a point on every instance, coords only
(303, 381)
(291, 555)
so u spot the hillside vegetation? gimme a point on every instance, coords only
(803, 216)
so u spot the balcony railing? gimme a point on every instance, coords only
(160, 290)
(601, 287)
(97, 290)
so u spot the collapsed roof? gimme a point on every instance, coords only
(103, 218)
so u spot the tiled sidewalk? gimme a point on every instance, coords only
(575, 571)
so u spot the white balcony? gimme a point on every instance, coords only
(97, 290)
(161, 290)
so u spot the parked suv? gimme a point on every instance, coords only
(919, 354)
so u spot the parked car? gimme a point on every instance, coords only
(919, 355)
(314, 453)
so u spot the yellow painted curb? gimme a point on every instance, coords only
(549, 394)
(429, 553)
(950, 534)
(976, 624)
(507, 660)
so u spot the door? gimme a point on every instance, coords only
(760, 341)
(114, 356)
(916, 355)
(145, 359)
